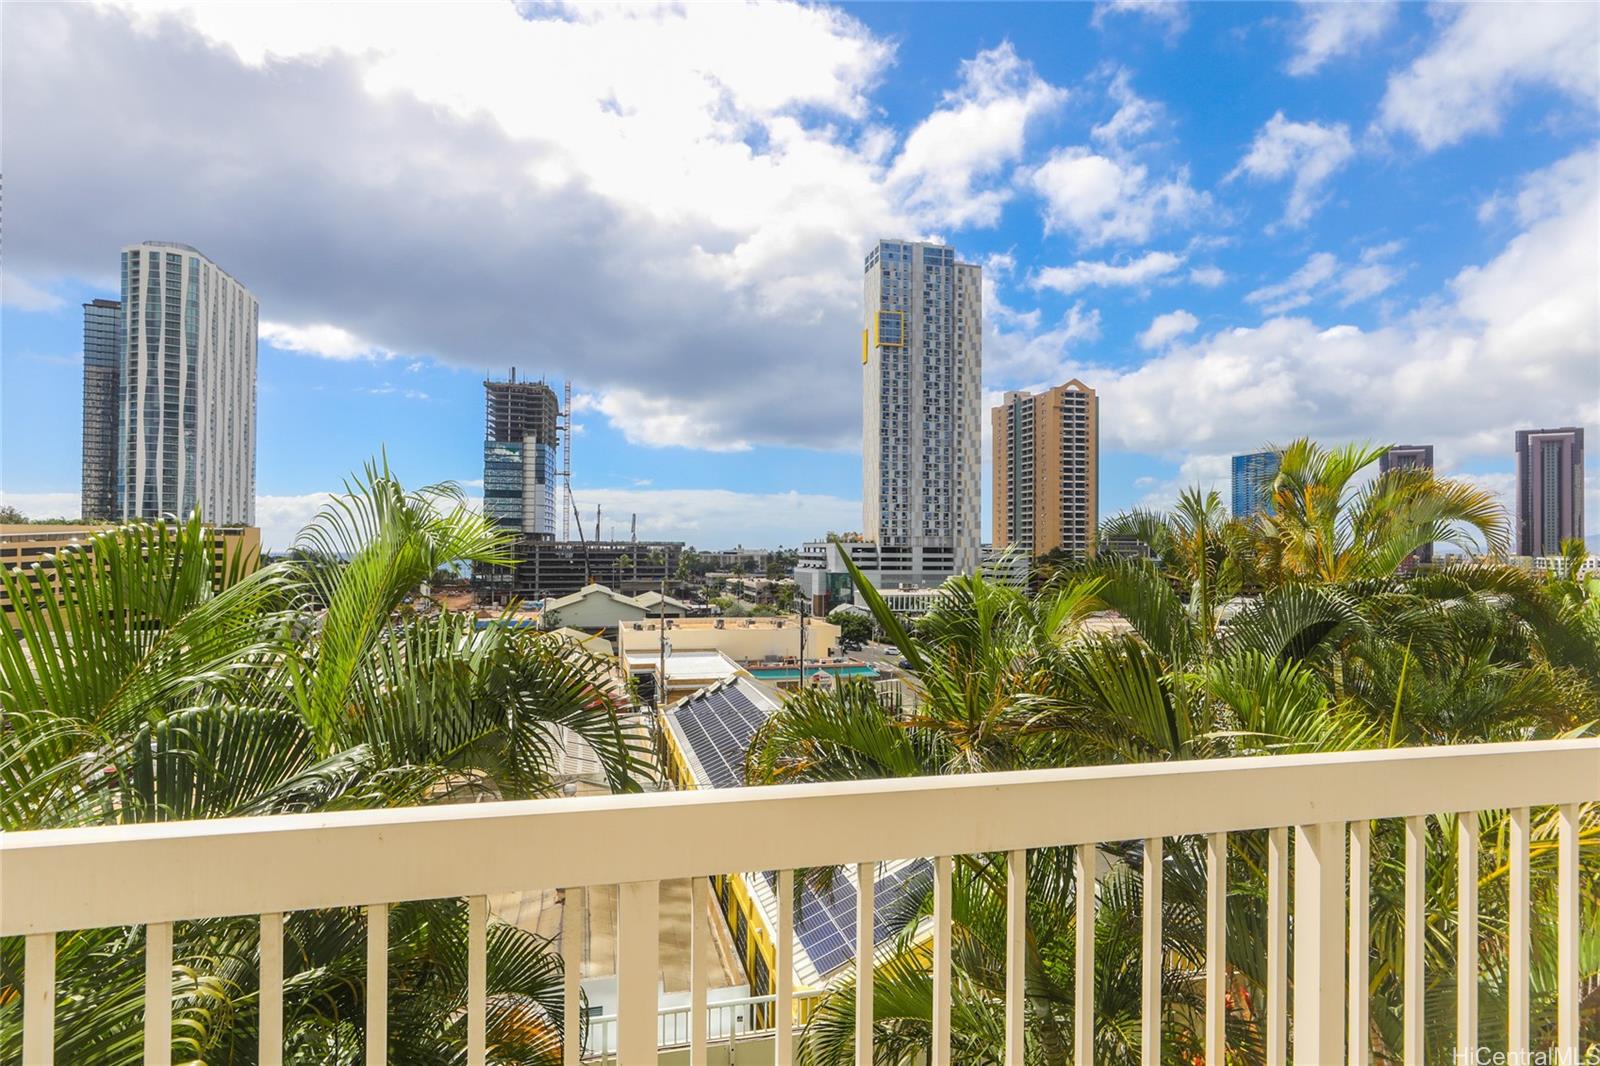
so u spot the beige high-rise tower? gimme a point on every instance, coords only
(1047, 470)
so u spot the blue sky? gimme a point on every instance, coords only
(1237, 222)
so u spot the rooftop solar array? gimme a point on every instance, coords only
(717, 725)
(825, 919)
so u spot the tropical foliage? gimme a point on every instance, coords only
(150, 691)
(1296, 630)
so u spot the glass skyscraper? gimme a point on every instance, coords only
(1252, 482)
(186, 388)
(102, 327)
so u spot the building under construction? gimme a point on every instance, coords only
(523, 426)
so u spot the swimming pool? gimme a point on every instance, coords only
(791, 673)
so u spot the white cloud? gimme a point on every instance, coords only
(1209, 276)
(1523, 325)
(1098, 199)
(22, 295)
(1483, 55)
(720, 518)
(1172, 15)
(44, 504)
(1308, 151)
(322, 339)
(1327, 30)
(1085, 273)
(663, 422)
(1168, 327)
(1135, 116)
(640, 188)
(946, 169)
(1323, 275)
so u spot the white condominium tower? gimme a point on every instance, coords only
(186, 388)
(922, 375)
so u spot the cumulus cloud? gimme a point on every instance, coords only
(472, 184)
(1171, 15)
(1309, 152)
(1524, 324)
(1323, 275)
(1483, 56)
(719, 518)
(950, 160)
(1168, 327)
(1086, 273)
(1135, 116)
(322, 339)
(1099, 199)
(1327, 30)
(1210, 275)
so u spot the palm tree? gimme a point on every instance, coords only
(1322, 523)
(152, 695)
(1006, 681)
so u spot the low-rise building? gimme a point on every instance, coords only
(23, 545)
(593, 609)
(744, 640)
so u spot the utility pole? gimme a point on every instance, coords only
(800, 602)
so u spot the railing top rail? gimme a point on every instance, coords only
(61, 879)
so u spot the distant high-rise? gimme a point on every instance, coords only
(519, 456)
(922, 376)
(1406, 457)
(1410, 457)
(102, 325)
(1046, 470)
(1253, 475)
(1549, 489)
(186, 388)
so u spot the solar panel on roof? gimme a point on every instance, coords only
(717, 726)
(825, 922)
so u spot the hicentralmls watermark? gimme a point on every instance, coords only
(1542, 1057)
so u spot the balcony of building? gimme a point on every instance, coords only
(1319, 815)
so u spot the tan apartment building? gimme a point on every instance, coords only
(23, 545)
(1047, 470)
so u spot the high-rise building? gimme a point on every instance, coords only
(186, 388)
(1549, 489)
(1406, 457)
(1253, 475)
(1409, 457)
(519, 456)
(102, 325)
(1046, 470)
(922, 374)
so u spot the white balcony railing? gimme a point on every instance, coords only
(57, 881)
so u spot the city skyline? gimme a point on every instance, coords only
(1327, 252)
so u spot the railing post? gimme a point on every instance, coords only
(1567, 970)
(158, 994)
(1360, 940)
(699, 969)
(1277, 946)
(1150, 963)
(1216, 1012)
(1416, 917)
(943, 866)
(638, 966)
(574, 903)
(39, 999)
(377, 984)
(866, 887)
(1467, 937)
(1319, 970)
(783, 1001)
(270, 1041)
(1084, 858)
(1016, 955)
